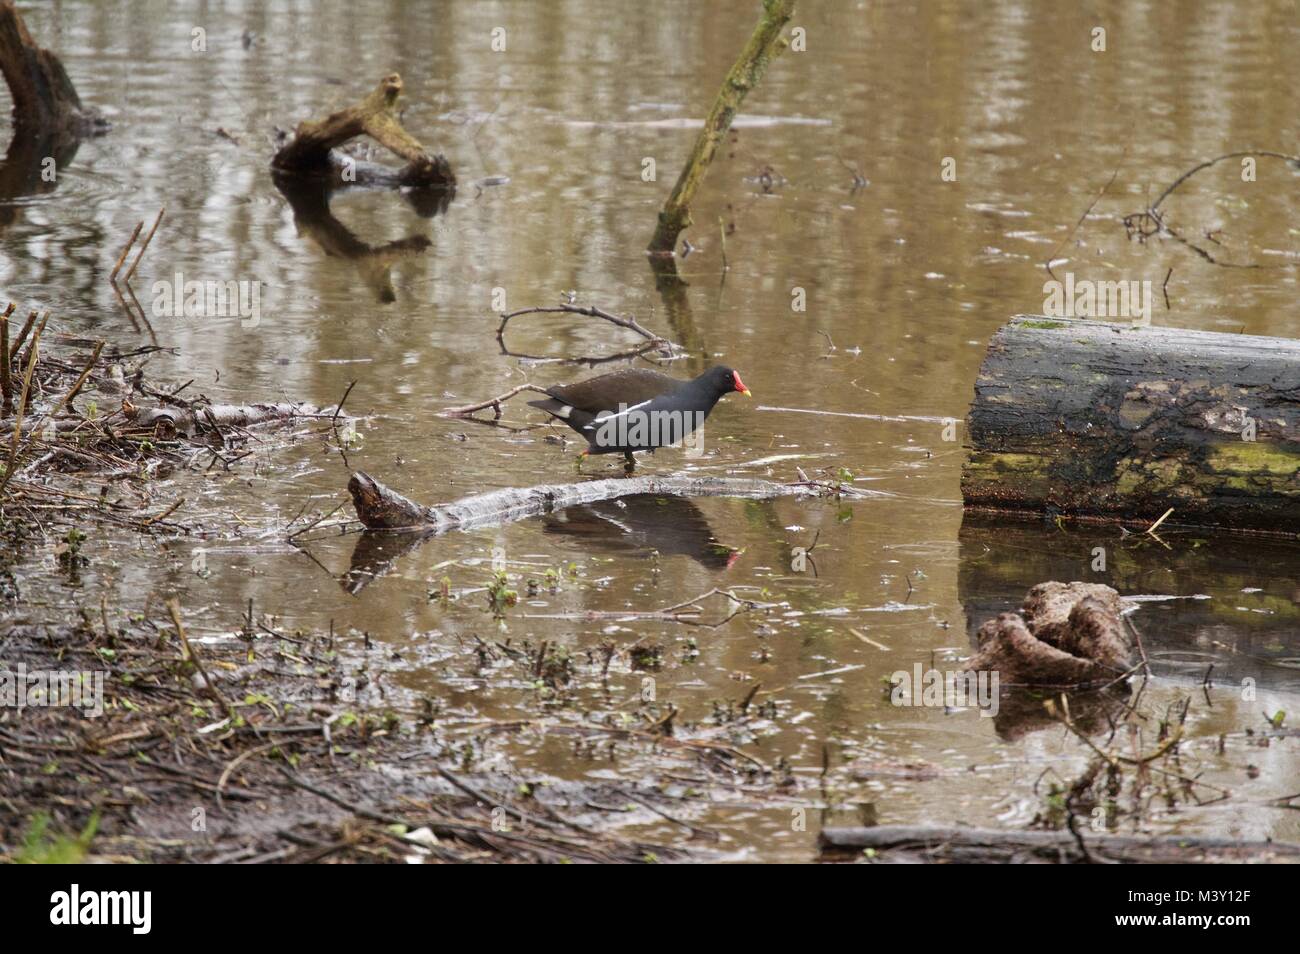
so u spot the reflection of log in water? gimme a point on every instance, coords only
(671, 526)
(49, 120)
(28, 157)
(310, 201)
(1242, 633)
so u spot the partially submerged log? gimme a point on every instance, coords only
(381, 508)
(1097, 420)
(1070, 636)
(918, 843)
(44, 98)
(311, 151)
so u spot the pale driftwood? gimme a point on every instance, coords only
(1107, 421)
(311, 151)
(170, 421)
(912, 843)
(381, 508)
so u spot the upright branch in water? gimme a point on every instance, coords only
(44, 98)
(744, 75)
(310, 150)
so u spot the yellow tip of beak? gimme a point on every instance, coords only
(745, 391)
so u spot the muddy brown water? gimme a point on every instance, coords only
(904, 280)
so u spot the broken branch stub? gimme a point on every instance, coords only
(310, 152)
(43, 96)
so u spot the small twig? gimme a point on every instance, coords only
(112, 277)
(494, 403)
(1163, 517)
(148, 521)
(722, 230)
(22, 406)
(174, 608)
(6, 386)
(334, 423)
(1069, 235)
(22, 335)
(148, 238)
(590, 311)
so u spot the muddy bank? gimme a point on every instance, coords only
(259, 746)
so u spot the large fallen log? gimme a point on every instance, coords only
(381, 508)
(1096, 420)
(913, 843)
(311, 151)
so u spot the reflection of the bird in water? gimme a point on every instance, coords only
(309, 198)
(641, 523)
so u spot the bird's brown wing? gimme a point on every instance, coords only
(607, 391)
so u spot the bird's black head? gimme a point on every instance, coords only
(724, 380)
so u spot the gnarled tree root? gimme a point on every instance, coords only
(1070, 636)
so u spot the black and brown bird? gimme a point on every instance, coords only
(637, 409)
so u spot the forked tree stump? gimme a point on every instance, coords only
(311, 151)
(43, 96)
(1098, 420)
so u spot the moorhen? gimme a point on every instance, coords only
(637, 409)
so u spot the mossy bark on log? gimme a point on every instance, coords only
(44, 98)
(1098, 420)
(310, 152)
(744, 75)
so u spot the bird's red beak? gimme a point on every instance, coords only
(739, 384)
